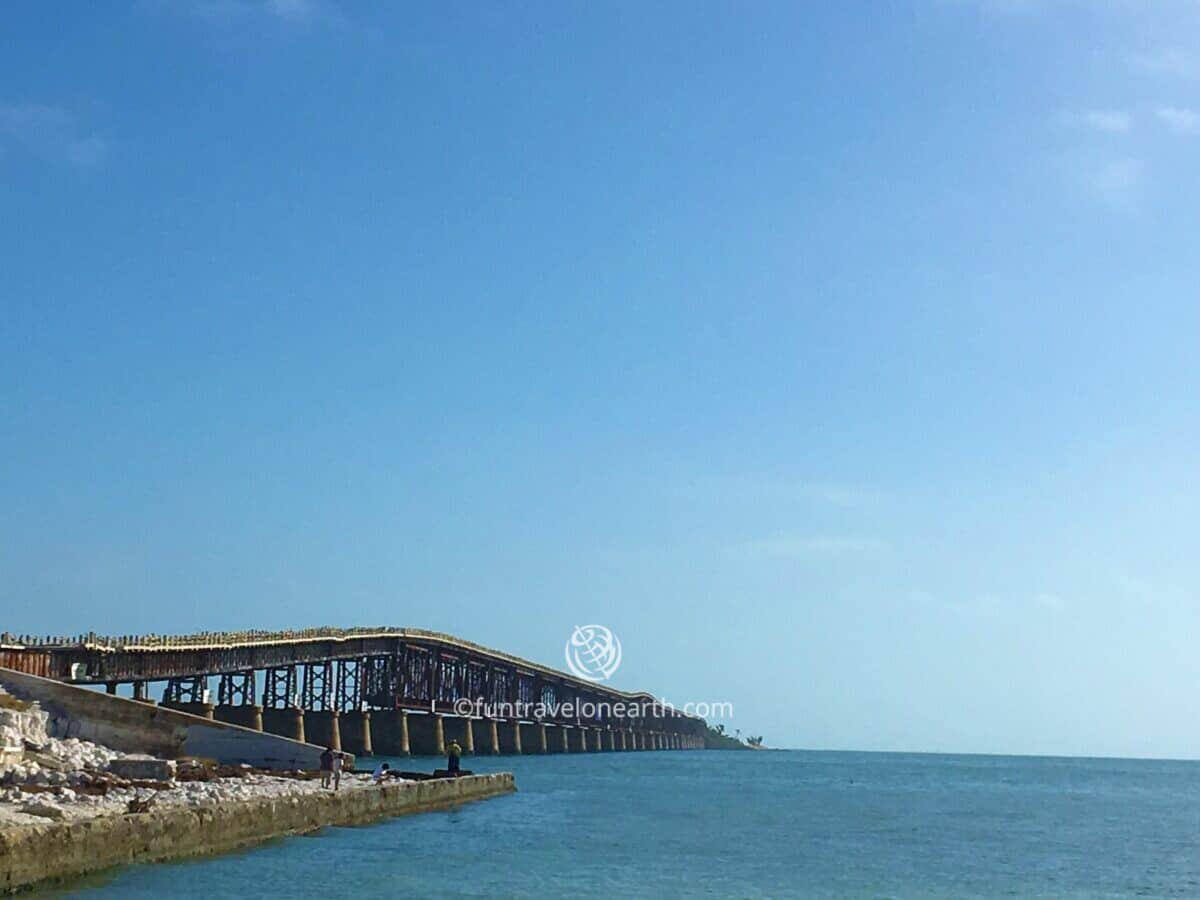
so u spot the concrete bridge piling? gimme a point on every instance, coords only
(389, 732)
(285, 722)
(355, 731)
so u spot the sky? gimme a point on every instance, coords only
(840, 358)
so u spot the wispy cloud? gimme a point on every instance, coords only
(802, 547)
(1178, 119)
(1109, 121)
(1169, 62)
(51, 132)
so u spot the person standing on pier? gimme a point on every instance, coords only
(339, 761)
(453, 752)
(326, 766)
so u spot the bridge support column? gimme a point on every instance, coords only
(610, 740)
(246, 716)
(427, 735)
(621, 739)
(203, 710)
(355, 731)
(529, 737)
(389, 732)
(493, 737)
(461, 729)
(510, 737)
(323, 728)
(565, 738)
(581, 735)
(287, 722)
(543, 744)
(597, 739)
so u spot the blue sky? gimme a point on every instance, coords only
(842, 359)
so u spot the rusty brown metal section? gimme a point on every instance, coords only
(31, 662)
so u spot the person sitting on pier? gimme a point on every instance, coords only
(326, 767)
(382, 771)
(453, 752)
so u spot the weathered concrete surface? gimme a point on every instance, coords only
(250, 716)
(530, 737)
(461, 729)
(510, 737)
(389, 732)
(134, 727)
(33, 854)
(288, 723)
(323, 727)
(426, 735)
(203, 710)
(355, 730)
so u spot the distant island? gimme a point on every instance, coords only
(717, 738)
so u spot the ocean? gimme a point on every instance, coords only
(745, 824)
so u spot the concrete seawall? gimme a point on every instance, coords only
(135, 727)
(33, 854)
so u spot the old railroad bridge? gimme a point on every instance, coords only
(392, 691)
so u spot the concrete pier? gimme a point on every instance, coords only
(323, 728)
(389, 732)
(355, 729)
(492, 731)
(56, 851)
(581, 739)
(246, 716)
(543, 742)
(598, 740)
(287, 723)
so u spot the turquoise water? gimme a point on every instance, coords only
(722, 824)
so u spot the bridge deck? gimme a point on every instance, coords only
(342, 669)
